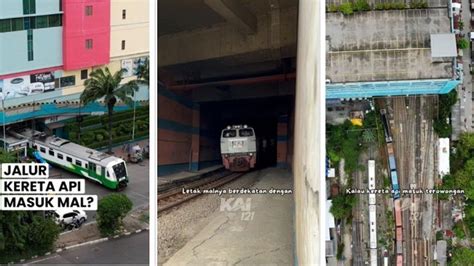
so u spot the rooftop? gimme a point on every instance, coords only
(385, 45)
(443, 45)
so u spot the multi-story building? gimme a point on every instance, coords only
(49, 47)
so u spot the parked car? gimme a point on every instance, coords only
(471, 36)
(67, 217)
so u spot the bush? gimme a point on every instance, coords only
(361, 5)
(439, 235)
(23, 234)
(346, 8)
(390, 6)
(42, 234)
(418, 4)
(332, 8)
(459, 231)
(111, 211)
(442, 128)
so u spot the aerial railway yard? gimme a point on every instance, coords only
(413, 138)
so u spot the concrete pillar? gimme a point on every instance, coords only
(282, 141)
(309, 149)
(195, 142)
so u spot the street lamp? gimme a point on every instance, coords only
(133, 128)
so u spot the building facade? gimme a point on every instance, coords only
(49, 47)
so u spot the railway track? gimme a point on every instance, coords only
(175, 196)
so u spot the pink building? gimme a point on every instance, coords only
(86, 33)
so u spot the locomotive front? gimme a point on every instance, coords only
(238, 148)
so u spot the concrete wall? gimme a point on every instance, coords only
(309, 152)
(185, 141)
(11, 9)
(14, 50)
(133, 29)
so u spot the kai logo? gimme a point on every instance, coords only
(232, 204)
(238, 204)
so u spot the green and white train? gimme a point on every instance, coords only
(103, 168)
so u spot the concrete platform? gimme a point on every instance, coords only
(184, 176)
(262, 235)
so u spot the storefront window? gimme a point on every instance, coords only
(68, 81)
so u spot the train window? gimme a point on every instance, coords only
(229, 133)
(60, 156)
(79, 163)
(51, 152)
(69, 159)
(246, 132)
(43, 150)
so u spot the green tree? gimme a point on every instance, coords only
(42, 233)
(24, 232)
(102, 84)
(342, 206)
(463, 43)
(143, 72)
(111, 211)
(462, 256)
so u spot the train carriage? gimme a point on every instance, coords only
(238, 148)
(399, 239)
(391, 157)
(103, 168)
(395, 186)
(398, 213)
(399, 260)
(386, 126)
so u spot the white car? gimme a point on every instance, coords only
(471, 36)
(67, 217)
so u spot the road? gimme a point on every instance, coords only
(415, 151)
(137, 190)
(131, 250)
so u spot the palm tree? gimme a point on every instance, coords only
(143, 72)
(102, 84)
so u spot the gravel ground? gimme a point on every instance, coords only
(178, 225)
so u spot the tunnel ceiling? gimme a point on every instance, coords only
(210, 40)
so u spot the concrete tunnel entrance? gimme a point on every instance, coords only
(265, 116)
